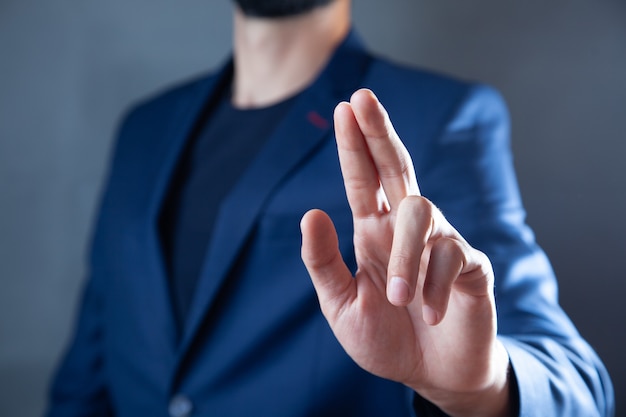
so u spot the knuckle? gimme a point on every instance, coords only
(433, 286)
(485, 265)
(417, 206)
(398, 167)
(450, 247)
(402, 261)
(452, 251)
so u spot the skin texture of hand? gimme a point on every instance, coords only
(420, 309)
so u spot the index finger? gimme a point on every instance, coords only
(360, 177)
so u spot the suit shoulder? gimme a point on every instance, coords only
(420, 82)
(436, 96)
(414, 79)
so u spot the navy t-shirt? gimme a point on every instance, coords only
(225, 144)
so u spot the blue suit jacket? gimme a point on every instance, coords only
(255, 342)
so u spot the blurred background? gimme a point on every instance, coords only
(69, 68)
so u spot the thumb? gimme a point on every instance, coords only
(320, 253)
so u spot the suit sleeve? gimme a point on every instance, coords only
(80, 386)
(468, 173)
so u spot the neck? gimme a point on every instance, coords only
(277, 58)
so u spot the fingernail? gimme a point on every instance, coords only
(398, 292)
(430, 315)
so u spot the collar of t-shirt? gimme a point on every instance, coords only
(227, 142)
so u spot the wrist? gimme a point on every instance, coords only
(494, 399)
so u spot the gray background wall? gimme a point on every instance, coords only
(68, 68)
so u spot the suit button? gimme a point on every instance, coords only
(180, 406)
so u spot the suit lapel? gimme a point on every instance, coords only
(186, 109)
(307, 125)
(182, 128)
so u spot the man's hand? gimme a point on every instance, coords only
(420, 309)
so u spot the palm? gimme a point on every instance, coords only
(418, 349)
(420, 308)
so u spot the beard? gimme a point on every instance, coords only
(278, 8)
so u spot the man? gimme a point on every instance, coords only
(198, 302)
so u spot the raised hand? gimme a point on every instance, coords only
(420, 309)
